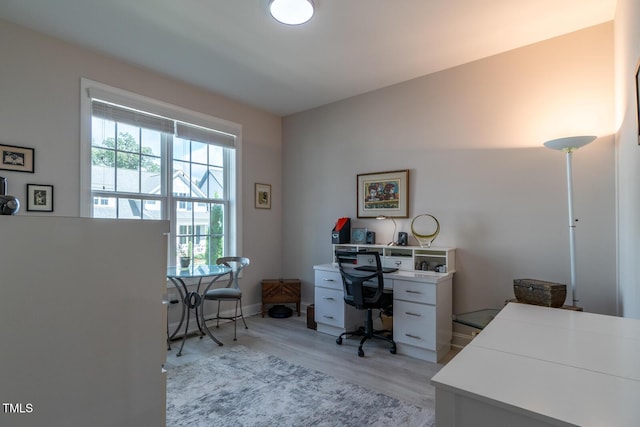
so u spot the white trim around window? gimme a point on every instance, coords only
(90, 89)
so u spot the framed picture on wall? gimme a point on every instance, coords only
(40, 198)
(18, 159)
(383, 193)
(263, 196)
(638, 100)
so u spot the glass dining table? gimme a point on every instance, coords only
(192, 300)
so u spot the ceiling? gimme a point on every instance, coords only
(234, 48)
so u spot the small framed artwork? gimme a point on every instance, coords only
(19, 159)
(638, 100)
(40, 198)
(263, 196)
(359, 236)
(383, 194)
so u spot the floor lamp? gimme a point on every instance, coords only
(569, 145)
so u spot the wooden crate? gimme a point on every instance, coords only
(280, 291)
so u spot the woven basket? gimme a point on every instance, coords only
(539, 292)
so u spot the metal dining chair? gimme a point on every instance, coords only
(231, 292)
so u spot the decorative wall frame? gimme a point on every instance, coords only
(40, 198)
(263, 196)
(638, 100)
(18, 159)
(358, 236)
(383, 193)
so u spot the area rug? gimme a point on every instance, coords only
(242, 387)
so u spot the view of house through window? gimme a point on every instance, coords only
(149, 167)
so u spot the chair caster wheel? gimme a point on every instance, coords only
(360, 352)
(393, 350)
(339, 340)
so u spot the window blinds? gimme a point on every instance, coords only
(200, 134)
(132, 117)
(121, 114)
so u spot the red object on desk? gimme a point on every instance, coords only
(341, 223)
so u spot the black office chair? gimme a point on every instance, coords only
(365, 291)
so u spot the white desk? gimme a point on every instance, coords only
(537, 366)
(422, 325)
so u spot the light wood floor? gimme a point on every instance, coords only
(399, 376)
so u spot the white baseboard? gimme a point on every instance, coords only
(248, 310)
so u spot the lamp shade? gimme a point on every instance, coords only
(291, 12)
(570, 143)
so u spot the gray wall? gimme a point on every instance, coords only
(627, 37)
(40, 108)
(471, 136)
(472, 139)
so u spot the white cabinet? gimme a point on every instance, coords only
(332, 315)
(412, 324)
(83, 338)
(408, 258)
(422, 325)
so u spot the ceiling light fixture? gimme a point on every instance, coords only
(291, 12)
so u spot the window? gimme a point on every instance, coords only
(147, 160)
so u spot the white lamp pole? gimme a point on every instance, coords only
(569, 145)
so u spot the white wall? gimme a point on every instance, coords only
(40, 108)
(627, 42)
(472, 138)
(82, 336)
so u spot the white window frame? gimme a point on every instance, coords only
(90, 89)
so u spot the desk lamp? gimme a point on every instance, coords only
(381, 217)
(569, 145)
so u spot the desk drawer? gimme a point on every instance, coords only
(414, 291)
(328, 279)
(329, 306)
(401, 263)
(414, 324)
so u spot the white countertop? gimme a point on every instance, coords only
(412, 275)
(559, 366)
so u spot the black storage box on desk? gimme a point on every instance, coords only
(341, 232)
